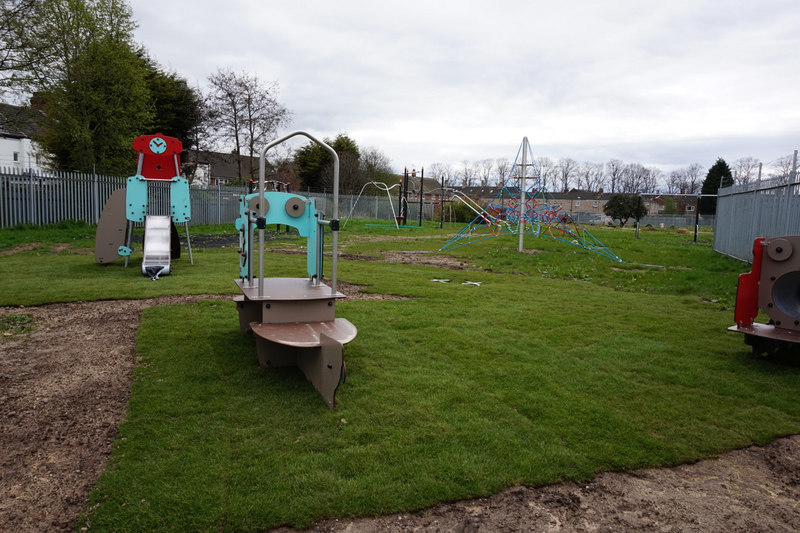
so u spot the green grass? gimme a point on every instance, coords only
(560, 365)
(11, 325)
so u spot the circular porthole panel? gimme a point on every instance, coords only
(253, 205)
(295, 207)
(779, 249)
(786, 294)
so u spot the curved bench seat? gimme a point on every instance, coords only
(305, 334)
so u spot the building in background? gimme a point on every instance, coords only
(18, 151)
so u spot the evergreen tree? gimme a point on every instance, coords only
(314, 164)
(177, 108)
(719, 175)
(96, 88)
(92, 120)
(77, 57)
(624, 207)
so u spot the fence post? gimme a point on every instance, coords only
(789, 186)
(97, 202)
(31, 201)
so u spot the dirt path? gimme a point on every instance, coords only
(64, 390)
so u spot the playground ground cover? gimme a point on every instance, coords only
(559, 365)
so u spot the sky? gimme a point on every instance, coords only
(663, 83)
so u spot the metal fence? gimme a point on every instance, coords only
(39, 198)
(32, 198)
(665, 221)
(766, 208)
(48, 198)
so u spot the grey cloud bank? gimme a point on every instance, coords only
(665, 84)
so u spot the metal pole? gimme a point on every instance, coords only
(31, 200)
(441, 204)
(97, 207)
(400, 196)
(792, 177)
(756, 227)
(421, 185)
(404, 212)
(521, 225)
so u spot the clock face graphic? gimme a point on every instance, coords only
(158, 145)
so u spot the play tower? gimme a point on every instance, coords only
(293, 319)
(158, 164)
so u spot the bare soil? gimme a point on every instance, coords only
(64, 390)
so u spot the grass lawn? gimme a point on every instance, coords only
(559, 365)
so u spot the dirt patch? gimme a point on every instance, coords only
(425, 258)
(414, 258)
(357, 292)
(755, 489)
(25, 247)
(64, 390)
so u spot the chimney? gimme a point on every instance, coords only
(37, 102)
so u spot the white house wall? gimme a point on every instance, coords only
(26, 154)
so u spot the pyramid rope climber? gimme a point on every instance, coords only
(523, 206)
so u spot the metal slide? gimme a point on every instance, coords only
(157, 246)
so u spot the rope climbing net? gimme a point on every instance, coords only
(523, 205)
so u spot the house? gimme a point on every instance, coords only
(210, 169)
(579, 203)
(431, 188)
(18, 126)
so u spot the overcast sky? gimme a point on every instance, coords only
(664, 83)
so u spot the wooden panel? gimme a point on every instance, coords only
(288, 289)
(111, 228)
(306, 334)
(769, 332)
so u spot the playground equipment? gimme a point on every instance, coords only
(524, 206)
(158, 162)
(293, 319)
(772, 285)
(381, 187)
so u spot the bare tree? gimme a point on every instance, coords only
(375, 165)
(244, 112)
(692, 178)
(565, 171)
(438, 169)
(502, 167)
(467, 173)
(264, 115)
(782, 168)
(685, 180)
(637, 178)
(674, 182)
(591, 177)
(745, 170)
(484, 170)
(547, 171)
(614, 171)
(652, 180)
